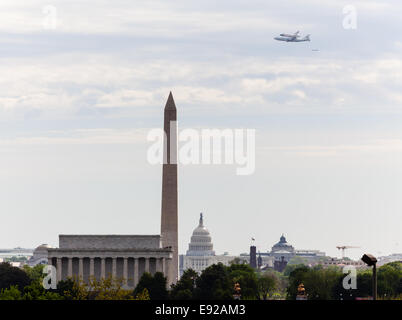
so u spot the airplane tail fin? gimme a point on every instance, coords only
(307, 38)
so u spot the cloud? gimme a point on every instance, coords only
(373, 147)
(79, 137)
(123, 59)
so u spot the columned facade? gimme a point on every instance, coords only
(153, 263)
(127, 264)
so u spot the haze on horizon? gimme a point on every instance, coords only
(77, 102)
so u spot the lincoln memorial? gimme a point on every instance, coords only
(120, 256)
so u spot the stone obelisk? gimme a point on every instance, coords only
(169, 223)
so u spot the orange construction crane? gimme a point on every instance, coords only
(343, 249)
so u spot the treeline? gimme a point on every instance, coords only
(217, 282)
(327, 283)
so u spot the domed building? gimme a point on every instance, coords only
(282, 248)
(201, 241)
(200, 253)
(282, 252)
(39, 255)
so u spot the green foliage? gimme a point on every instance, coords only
(297, 260)
(144, 295)
(16, 259)
(319, 282)
(267, 283)
(11, 293)
(35, 273)
(390, 279)
(35, 291)
(246, 277)
(238, 260)
(291, 267)
(109, 288)
(326, 283)
(155, 285)
(12, 276)
(66, 289)
(214, 284)
(296, 277)
(184, 288)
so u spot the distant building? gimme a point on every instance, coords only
(281, 253)
(121, 256)
(390, 258)
(16, 252)
(280, 265)
(200, 253)
(39, 256)
(341, 263)
(253, 257)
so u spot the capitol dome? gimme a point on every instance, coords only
(201, 241)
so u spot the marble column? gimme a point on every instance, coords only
(136, 272)
(164, 266)
(81, 268)
(114, 267)
(160, 265)
(70, 267)
(58, 270)
(125, 271)
(103, 268)
(91, 268)
(146, 264)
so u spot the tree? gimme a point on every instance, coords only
(390, 279)
(238, 260)
(155, 285)
(66, 289)
(290, 267)
(35, 273)
(296, 277)
(214, 284)
(266, 283)
(109, 288)
(247, 279)
(297, 260)
(184, 288)
(12, 276)
(11, 293)
(36, 291)
(319, 282)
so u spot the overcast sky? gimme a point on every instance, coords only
(78, 97)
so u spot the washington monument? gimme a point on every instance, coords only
(169, 223)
